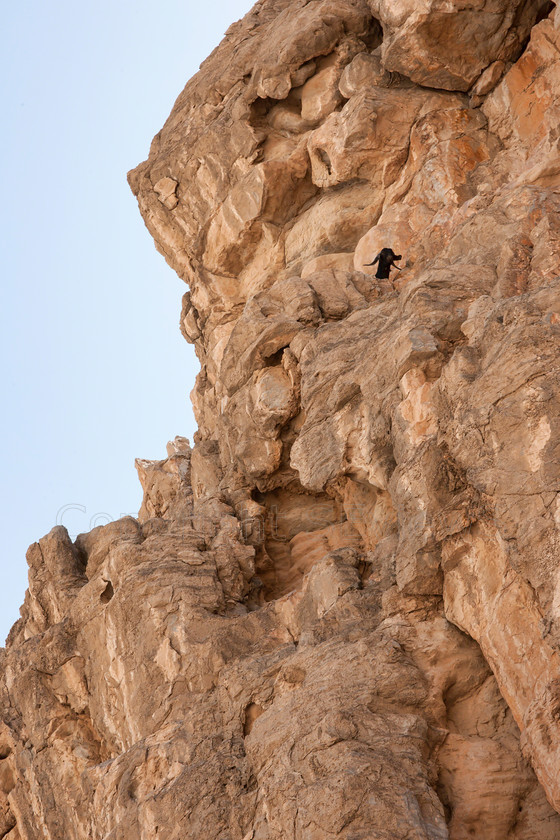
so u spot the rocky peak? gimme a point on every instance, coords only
(337, 615)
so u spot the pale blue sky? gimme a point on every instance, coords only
(95, 371)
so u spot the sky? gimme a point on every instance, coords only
(94, 370)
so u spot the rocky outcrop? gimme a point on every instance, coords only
(337, 615)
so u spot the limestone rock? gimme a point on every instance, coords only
(166, 484)
(338, 615)
(166, 190)
(448, 45)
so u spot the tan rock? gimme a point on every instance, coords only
(489, 78)
(166, 484)
(320, 95)
(274, 398)
(166, 189)
(342, 261)
(338, 615)
(364, 72)
(449, 45)
(487, 598)
(523, 109)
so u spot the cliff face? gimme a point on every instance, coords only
(337, 615)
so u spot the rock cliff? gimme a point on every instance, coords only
(337, 615)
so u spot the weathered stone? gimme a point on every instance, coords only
(364, 72)
(523, 110)
(339, 614)
(489, 78)
(320, 95)
(166, 190)
(166, 484)
(448, 45)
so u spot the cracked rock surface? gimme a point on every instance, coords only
(337, 615)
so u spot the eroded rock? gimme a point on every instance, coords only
(338, 614)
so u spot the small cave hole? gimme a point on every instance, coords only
(261, 107)
(275, 358)
(107, 593)
(323, 156)
(365, 570)
(5, 751)
(251, 784)
(545, 10)
(81, 558)
(443, 796)
(252, 712)
(374, 37)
